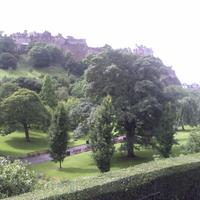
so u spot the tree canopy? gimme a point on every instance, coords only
(58, 134)
(47, 94)
(7, 61)
(133, 83)
(39, 57)
(24, 109)
(101, 136)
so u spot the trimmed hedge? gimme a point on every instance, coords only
(172, 178)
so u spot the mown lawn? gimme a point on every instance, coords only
(81, 165)
(14, 145)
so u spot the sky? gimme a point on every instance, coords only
(169, 27)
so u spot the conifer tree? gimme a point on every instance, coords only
(47, 94)
(58, 134)
(101, 136)
(167, 131)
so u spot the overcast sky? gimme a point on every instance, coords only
(169, 27)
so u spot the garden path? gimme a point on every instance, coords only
(45, 157)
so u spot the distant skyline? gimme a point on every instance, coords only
(169, 27)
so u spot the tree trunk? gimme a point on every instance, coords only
(60, 164)
(26, 132)
(130, 136)
(183, 129)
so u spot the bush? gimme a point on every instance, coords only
(172, 178)
(7, 61)
(193, 143)
(15, 178)
(39, 57)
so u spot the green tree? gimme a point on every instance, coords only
(6, 89)
(7, 45)
(34, 43)
(15, 178)
(47, 94)
(56, 53)
(101, 136)
(30, 83)
(24, 109)
(7, 60)
(62, 93)
(39, 57)
(187, 112)
(58, 134)
(193, 143)
(165, 137)
(133, 82)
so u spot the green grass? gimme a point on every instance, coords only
(14, 145)
(82, 165)
(23, 68)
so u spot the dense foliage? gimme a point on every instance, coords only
(193, 143)
(24, 109)
(47, 94)
(39, 57)
(101, 136)
(165, 137)
(7, 61)
(133, 83)
(58, 134)
(172, 178)
(15, 178)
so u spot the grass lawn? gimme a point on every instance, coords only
(23, 69)
(81, 165)
(14, 144)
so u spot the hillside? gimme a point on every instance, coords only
(24, 69)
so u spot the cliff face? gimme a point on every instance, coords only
(170, 78)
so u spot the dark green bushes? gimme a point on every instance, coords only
(172, 178)
(15, 178)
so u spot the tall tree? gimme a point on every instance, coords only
(165, 137)
(187, 112)
(47, 94)
(58, 134)
(133, 82)
(7, 61)
(101, 136)
(39, 57)
(7, 45)
(24, 109)
(56, 53)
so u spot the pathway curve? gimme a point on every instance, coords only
(45, 157)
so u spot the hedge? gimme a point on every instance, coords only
(172, 178)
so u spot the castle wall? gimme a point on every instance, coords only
(77, 46)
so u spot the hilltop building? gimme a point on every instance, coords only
(77, 46)
(142, 50)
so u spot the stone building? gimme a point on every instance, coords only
(142, 50)
(77, 46)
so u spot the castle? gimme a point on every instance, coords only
(77, 46)
(142, 50)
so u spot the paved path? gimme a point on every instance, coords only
(45, 157)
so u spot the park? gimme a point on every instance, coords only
(107, 124)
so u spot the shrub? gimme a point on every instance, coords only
(15, 178)
(172, 178)
(193, 143)
(7, 61)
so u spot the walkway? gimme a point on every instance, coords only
(45, 157)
